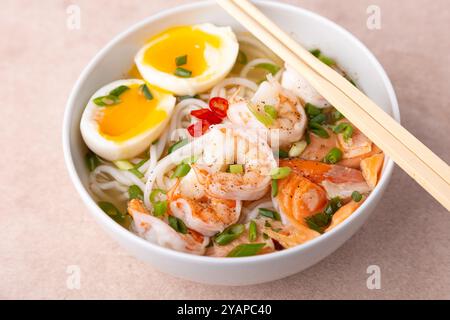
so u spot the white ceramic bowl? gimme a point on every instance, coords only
(115, 60)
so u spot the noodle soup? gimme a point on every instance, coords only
(214, 147)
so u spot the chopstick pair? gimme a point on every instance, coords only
(427, 169)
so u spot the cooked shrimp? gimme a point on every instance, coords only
(201, 212)
(158, 231)
(230, 145)
(290, 122)
(296, 83)
(338, 181)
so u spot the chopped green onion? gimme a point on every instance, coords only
(280, 173)
(178, 225)
(181, 60)
(119, 90)
(311, 110)
(181, 98)
(91, 160)
(134, 192)
(140, 163)
(252, 231)
(123, 164)
(337, 115)
(177, 145)
(181, 170)
(160, 208)
(319, 119)
(245, 250)
(269, 214)
(273, 69)
(183, 73)
(127, 165)
(190, 160)
(346, 129)
(264, 118)
(108, 100)
(146, 91)
(112, 211)
(327, 60)
(271, 111)
(297, 149)
(137, 173)
(242, 57)
(281, 154)
(154, 194)
(318, 130)
(274, 188)
(356, 196)
(318, 222)
(318, 54)
(333, 206)
(229, 234)
(236, 168)
(350, 80)
(315, 52)
(307, 137)
(333, 156)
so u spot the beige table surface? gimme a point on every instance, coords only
(45, 227)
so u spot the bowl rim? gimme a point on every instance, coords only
(138, 241)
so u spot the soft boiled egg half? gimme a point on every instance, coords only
(124, 117)
(187, 60)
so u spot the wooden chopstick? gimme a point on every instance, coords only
(410, 154)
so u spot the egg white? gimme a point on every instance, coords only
(220, 61)
(119, 150)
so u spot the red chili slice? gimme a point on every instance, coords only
(199, 128)
(207, 115)
(219, 106)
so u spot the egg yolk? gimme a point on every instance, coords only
(177, 42)
(133, 115)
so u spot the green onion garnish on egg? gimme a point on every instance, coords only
(119, 90)
(106, 101)
(146, 91)
(181, 60)
(183, 73)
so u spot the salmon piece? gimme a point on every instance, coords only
(317, 171)
(338, 181)
(371, 168)
(355, 162)
(343, 213)
(299, 198)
